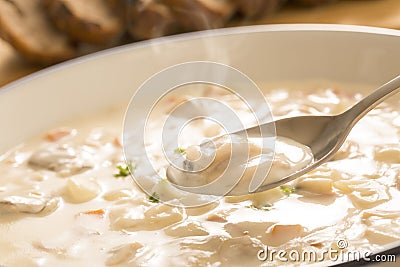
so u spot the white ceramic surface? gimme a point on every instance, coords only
(274, 52)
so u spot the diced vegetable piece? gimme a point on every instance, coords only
(388, 154)
(99, 212)
(152, 218)
(82, 189)
(57, 134)
(187, 228)
(321, 186)
(122, 254)
(279, 234)
(237, 250)
(119, 194)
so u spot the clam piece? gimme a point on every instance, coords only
(18, 204)
(62, 159)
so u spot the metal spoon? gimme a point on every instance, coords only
(324, 135)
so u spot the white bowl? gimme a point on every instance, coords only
(265, 53)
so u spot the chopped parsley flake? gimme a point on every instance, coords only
(155, 198)
(266, 207)
(124, 171)
(180, 150)
(287, 190)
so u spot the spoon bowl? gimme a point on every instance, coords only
(324, 135)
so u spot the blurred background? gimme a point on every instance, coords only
(39, 33)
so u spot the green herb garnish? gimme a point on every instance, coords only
(124, 171)
(155, 198)
(179, 150)
(287, 190)
(266, 207)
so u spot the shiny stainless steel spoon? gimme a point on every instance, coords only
(324, 135)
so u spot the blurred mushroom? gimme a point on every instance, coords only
(312, 2)
(25, 25)
(91, 22)
(257, 8)
(149, 19)
(195, 15)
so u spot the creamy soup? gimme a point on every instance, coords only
(67, 197)
(205, 164)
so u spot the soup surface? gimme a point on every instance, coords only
(67, 197)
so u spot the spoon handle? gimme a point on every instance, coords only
(371, 101)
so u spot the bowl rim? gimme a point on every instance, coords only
(198, 35)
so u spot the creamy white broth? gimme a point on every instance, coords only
(89, 216)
